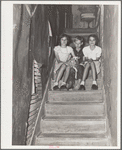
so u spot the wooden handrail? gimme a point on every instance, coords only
(41, 108)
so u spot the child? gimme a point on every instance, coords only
(92, 55)
(63, 54)
(79, 44)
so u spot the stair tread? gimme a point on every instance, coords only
(72, 140)
(65, 109)
(76, 96)
(88, 84)
(56, 118)
(77, 92)
(76, 102)
(73, 103)
(73, 135)
(73, 126)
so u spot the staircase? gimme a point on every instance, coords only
(74, 118)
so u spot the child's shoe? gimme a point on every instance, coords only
(82, 87)
(55, 87)
(63, 86)
(94, 86)
(69, 85)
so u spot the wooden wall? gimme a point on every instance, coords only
(110, 64)
(22, 71)
(31, 41)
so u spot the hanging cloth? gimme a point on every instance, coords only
(30, 10)
(50, 37)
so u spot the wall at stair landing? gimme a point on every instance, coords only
(76, 11)
(76, 16)
(110, 50)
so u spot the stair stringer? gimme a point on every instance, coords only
(108, 132)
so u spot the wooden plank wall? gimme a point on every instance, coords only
(22, 72)
(31, 41)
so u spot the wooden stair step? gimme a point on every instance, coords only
(73, 103)
(81, 109)
(79, 34)
(88, 84)
(73, 126)
(73, 118)
(86, 139)
(78, 30)
(87, 96)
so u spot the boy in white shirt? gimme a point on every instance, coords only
(92, 55)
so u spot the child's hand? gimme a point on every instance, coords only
(82, 63)
(97, 59)
(90, 60)
(69, 57)
(76, 58)
(86, 58)
(59, 61)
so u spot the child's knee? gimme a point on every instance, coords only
(68, 68)
(63, 66)
(87, 65)
(72, 71)
(92, 64)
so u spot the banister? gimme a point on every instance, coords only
(38, 119)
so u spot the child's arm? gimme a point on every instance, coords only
(56, 50)
(73, 55)
(57, 57)
(85, 57)
(98, 54)
(97, 58)
(69, 57)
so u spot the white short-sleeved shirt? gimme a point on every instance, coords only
(92, 53)
(63, 53)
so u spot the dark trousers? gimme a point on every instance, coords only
(71, 78)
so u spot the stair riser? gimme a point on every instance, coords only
(72, 126)
(71, 142)
(70, 96)
(88, 84)
(85, 110)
